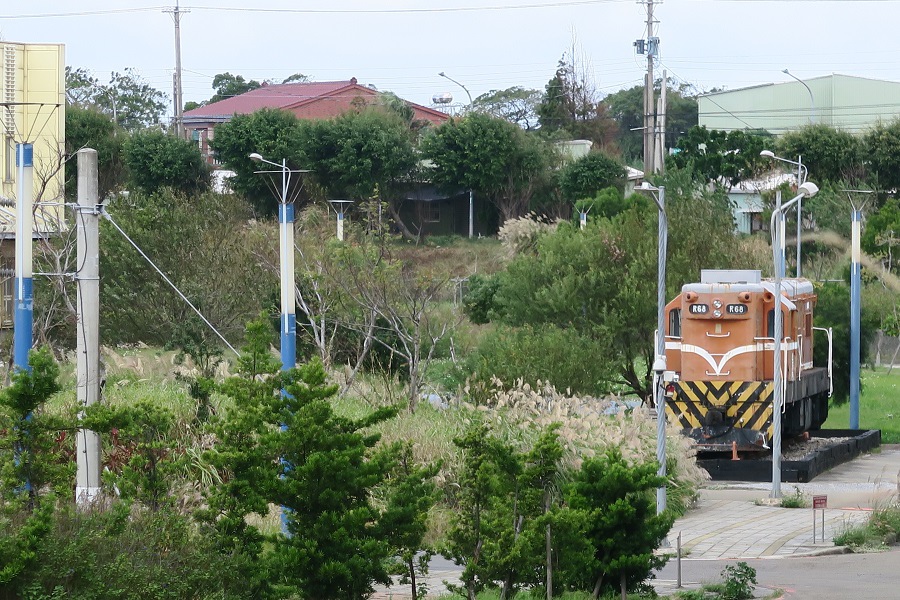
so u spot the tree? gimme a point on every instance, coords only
(601, 282)
(227, 85)
(714, 155)
(292, 450)
(296, 78)
(622, 524)
(882, 232)
(828, 153)
(882, 151)
(516, 104)
(627, 108)
(585, 177)
(127, 98)
(491, 156)
(90, 128)
(571, 104)
(157, 160)
(833, 310)
(268, 132)
(203, 243)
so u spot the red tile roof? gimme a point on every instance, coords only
(298, 98)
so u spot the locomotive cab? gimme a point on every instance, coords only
(719, 340)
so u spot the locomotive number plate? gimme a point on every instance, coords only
(699, 309)
(737, 309)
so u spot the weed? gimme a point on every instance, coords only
(854, 536)
(738, 581)
(795, 500)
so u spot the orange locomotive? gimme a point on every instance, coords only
(720, 345)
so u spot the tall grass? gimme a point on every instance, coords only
(879, 405)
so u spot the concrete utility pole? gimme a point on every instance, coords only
(179, 98)
(649, 101)
(88, 330)
(659, 165)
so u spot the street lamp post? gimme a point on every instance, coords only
(286, 262)
(471, 192)
(812, 100)
(659, 363)
(802, 174)
(808, 190)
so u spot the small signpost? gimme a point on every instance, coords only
(819, 502)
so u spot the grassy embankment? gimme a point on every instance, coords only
(879, 405)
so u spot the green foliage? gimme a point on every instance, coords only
(795, 500)
(623, 526)
(587, 176)
(833, 310)
(881, 230)
(738, 582)
(715, 155)
(34, 454)
(627, 108)
(90, 128)
(829, 154)
(158, 160)
(563, 357)
(141, 454)
(128, 99)
(882, 150)
(291, 449)
(125, 554)
(204, 245)
(227, 86)
(608, 203)
(22, 535)
(268, 132)
(479, 299)
(357, 154)
(489, 155)
(516, 105)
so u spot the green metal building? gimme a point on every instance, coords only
(853, 104)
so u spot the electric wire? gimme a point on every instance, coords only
(109, 218)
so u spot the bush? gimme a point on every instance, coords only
(479, 299)
(126, 553)
(562, 357)
(157, 160)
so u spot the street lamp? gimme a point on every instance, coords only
(802, 174)
(471, 192)
(807, 190)
(286, 261)
(812, 100)
(659, 362)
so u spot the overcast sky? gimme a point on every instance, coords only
(401, 45)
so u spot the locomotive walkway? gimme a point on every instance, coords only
(731, 521)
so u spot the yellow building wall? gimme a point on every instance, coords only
(32, 100)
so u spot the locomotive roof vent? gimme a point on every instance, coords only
(730, 276)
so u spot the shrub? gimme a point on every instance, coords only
(562, 357)
(795, 500)
(738, 581)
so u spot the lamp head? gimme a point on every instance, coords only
(809, 189)
(442, 74)
(767, 154)
(256, 157)
(785, 71)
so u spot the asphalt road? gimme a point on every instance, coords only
(839, 577)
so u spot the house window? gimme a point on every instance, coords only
(431, 212)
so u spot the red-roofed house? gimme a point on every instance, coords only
(308, 100)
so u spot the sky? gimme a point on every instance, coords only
(402, 45)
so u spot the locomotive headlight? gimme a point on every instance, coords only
(717, 313)
(717, 304)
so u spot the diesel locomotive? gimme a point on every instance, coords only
(720, 345)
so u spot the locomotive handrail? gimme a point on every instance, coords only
(718, 335)
(725, 374)
(828, 331)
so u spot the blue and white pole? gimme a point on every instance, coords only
(855, 307)
(24, 292)
(288, 303)
(340, 224)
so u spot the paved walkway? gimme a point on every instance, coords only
(731, 521)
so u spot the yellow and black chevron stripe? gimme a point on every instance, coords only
(742, 404)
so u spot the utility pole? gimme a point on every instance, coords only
(88, 335)
(659, 165)
(651, 46)
(179, 99)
